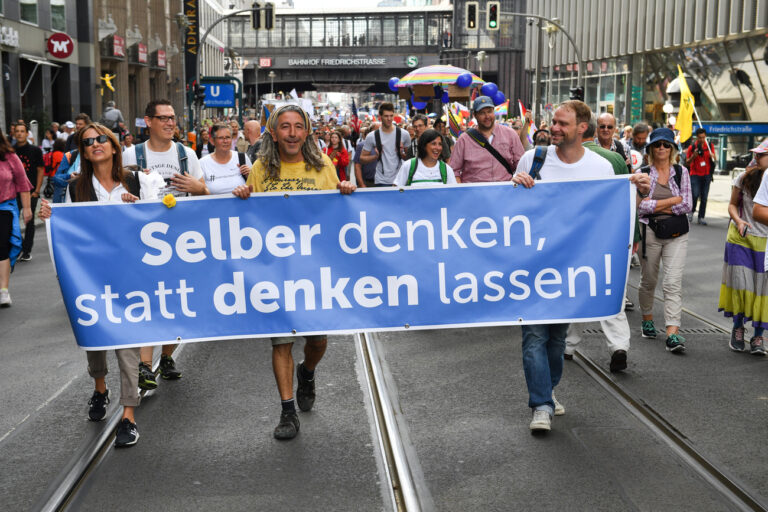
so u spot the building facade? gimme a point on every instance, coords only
(48, 68)
(630, 53)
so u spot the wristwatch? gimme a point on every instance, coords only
(642, 196)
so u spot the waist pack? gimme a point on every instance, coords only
(670, 227)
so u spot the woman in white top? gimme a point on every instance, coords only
(102, 178)
(427, 168)
(224, 169)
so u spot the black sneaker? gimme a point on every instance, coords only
(25, 257)
(98, 403)
(127, 434)
(147, 379)
(649, 330)
(618, 361)
(288, 426)
(305, 391)
(168, 369)
(676, 344)
(628, 304)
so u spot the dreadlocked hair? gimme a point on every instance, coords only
(269, 154)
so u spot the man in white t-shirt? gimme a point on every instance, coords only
(390, 156)
(162, 156)
(566, 158)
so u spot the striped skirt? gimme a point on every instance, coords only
(744, 288)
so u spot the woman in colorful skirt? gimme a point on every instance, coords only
(743, 292)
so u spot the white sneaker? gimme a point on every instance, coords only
(541, 421)
(5, 298)
(559, 409)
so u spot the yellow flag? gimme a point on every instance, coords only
(684, 122)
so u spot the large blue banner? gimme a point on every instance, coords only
(319, 262)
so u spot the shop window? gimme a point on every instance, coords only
(733, 111)
(58, 16)
(28, 11)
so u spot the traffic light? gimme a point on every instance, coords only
(577, 93)
(471, 15)
(199, 94)
(256, 15)
(493, 15)
(269, 15)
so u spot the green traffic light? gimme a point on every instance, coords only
(493, 24)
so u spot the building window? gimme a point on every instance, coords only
(58, 16)
(29, 11)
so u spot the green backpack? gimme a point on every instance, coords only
(415, 163)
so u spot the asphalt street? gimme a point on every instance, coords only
(206, 440)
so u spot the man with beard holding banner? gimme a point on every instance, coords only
(566, 158)
(289, 159)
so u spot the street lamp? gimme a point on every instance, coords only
(481, 56)
(271, 76)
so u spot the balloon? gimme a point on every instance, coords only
(445, 98)
(425, 98)
(499, 98)
(490, 89)
(464, 80)
(393, 83)
(419, 105)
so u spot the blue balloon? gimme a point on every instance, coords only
(393, 83)
(490, 89)
(425, 98)
(499, 98)
(464, 80)
(445, 98)
(419, 105)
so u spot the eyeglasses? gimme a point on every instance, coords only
(101, 139)
(224, 137)
(165, 119)
(606, 127)
(663, 144)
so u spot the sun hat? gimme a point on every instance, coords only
(762, 148)
(661, 134)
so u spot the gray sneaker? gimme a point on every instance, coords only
(737, 339)
(757, 346)
(5, 298)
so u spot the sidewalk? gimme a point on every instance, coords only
(719, 196)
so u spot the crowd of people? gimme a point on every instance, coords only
(101, 161)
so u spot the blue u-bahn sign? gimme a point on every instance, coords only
(735, 128)
(219, 95)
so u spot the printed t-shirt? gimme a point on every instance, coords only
(294, 176)
(389, 161)
(166, 164)
(31, 158)
(222, 178)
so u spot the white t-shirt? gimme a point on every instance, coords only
(431, 174)
(223, 178)
(146, 191)
(166, 164)
(591, 165)
(762, 193)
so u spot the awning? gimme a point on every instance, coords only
(38, 60)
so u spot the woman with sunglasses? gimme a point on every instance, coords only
(665, 235)
(102, 178)
(225, 168)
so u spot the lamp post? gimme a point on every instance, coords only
(271, 76)
(481, 56)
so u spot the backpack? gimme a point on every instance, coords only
(415, 163)
(380, 148)
(141, 157)
(539, 156)
(240, 158)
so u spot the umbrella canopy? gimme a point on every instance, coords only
(436, 75)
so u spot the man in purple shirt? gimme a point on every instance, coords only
(471, 160)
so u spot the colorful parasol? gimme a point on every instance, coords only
(436, 75)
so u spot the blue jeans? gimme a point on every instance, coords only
(700, 190)
(543, 349)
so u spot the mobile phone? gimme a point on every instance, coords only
(744, 231)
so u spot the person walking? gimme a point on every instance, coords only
(289, 159)
(426, 167)
(224, 169)
(742, 291)
(32, 159)
(701, 162)
(13, 183)
(102, 178)
(386, 147)
(338, 154)
(665, 236)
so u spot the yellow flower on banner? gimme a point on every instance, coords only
(169, 200)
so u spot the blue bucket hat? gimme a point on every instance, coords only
(482, 102)
(661, 134)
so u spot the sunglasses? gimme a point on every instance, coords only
(666, 145)
(606, 127)
(90, 141)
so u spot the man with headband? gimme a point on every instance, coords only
(289, 159)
